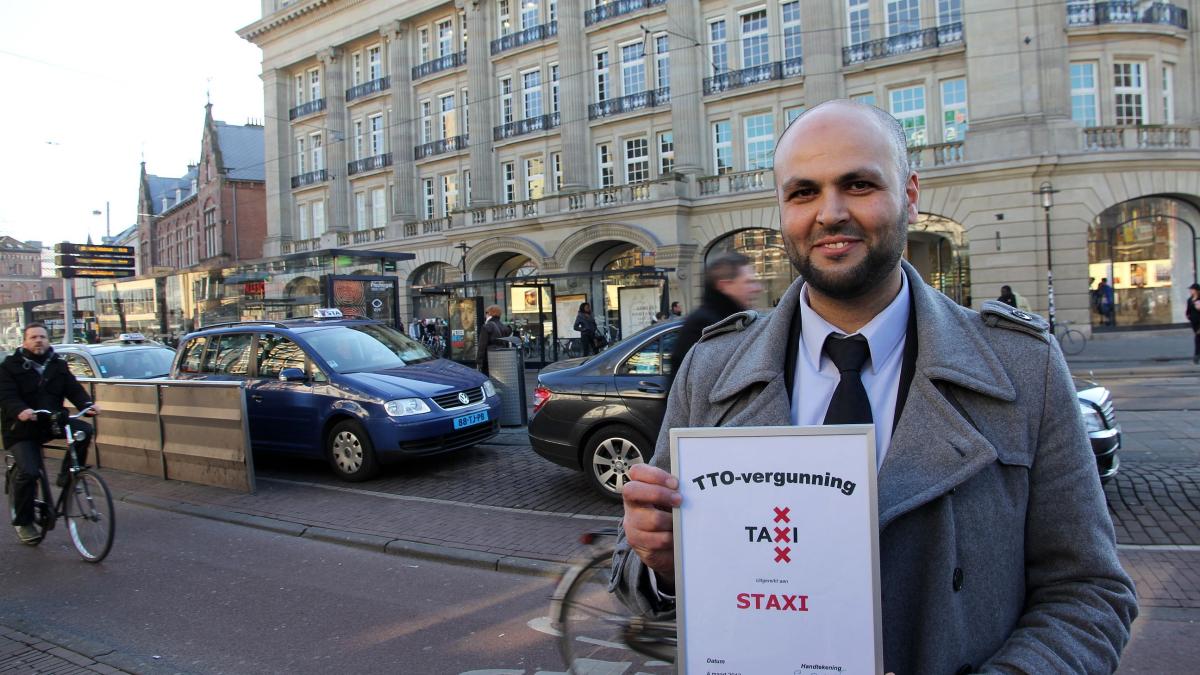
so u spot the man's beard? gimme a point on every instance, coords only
(865, 277)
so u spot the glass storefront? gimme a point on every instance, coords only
(765, 248)
(1144, 248)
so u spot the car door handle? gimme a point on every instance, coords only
(256, 397)
(650, 387)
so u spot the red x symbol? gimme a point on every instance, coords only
(781, 554)
(782, 534)
(781, 515)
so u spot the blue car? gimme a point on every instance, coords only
(356, 391)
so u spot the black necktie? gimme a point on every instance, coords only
(849, 404)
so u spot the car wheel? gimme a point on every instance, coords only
(350, 452)
(609, 455)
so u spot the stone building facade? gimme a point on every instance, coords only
(595, 151)
(21, 269)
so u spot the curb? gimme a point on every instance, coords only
(444, 553)
(1082, 370)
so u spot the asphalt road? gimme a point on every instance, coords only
(187, 595)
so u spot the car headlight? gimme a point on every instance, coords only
(405, 406)
(1091, 418)
(489, 389)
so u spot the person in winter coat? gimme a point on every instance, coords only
(490, 335)
(1193, 317)
(730, 286)
(585, 325)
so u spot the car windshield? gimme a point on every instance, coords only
(350, 349)
(135, 364)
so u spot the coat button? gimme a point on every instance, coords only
(965, 670)
(958, 579)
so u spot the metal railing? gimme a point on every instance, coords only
(310, 178)
(904, 43)
(306, 109)
(369, 163)
(1137, 137)
(650, 98)
(735, 79)
(439, 64)
(1125, 11)
(525, 126)
(610, 10)
(935, 154)
(522, 38)
(440, 147)
(366, 88)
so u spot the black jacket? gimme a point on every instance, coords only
(714, 306)
(490, 335)
(585, 325)
(21, 387)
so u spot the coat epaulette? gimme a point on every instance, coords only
(730, 324)
(1000, 315)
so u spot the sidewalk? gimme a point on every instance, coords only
(1158, 351)
(21, 653)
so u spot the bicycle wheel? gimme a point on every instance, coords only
(597, 631)
(1072, 342)
(40, 510)
(90, 517)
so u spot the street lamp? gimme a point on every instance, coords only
(107, 222)
(462, 246)
(1046, 190)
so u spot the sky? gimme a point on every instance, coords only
(93, 88)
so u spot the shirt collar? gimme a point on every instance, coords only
(884, 333)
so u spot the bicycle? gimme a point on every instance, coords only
(1070, 339)
(595, 628)
(85, 503)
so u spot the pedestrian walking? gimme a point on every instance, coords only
(996, 549)
(730, 286)
(676, 309)
(1106, 303)
(1007, 297)
(585, 325)
(1193, 317)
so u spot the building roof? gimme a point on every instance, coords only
(163, 186)
(241, 150)
(7, 243)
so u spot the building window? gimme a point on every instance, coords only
(790, 114)
(633, 68)
(449, 194)
(462, 22)
(908, 107)
(375, 123)
(358, 139)
(601, 58)
(318, 217)
(760, 141)
(466, 113)
(530, 17)
(212, 245)
(755, 47)
(423, 42)
(903, 16)
(718, 50)
(1129, 88)
(504, 17)
(428, 197)
(723, 147)
(299, 89)
(604, 160)
(467, 185)
(506, 109)
(865, 99)
(531, 93)
(954, 110)
(356, 68)
(666, 153)
(1168, 93)
(378, 207)
(1083, 94)
(301, 222)
(426, 121)
(790, 16)
(318, 152)
(637, 161)
(374, 63)
(535, 178)
(445, 38)
(448, 122)
(949, 11)
(508, 173)
(662, 61)
(554, 87)
(858, 21)
(301, 162)
(314, 84)
(360, 210)
(556, 167)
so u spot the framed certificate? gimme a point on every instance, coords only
(777, 550)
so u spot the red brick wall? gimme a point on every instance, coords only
(251, 218)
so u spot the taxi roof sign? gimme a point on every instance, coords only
(327, 313)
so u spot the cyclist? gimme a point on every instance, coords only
(35, 378)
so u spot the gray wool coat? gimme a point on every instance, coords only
(997, 552)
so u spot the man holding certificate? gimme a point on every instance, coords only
(996, 551)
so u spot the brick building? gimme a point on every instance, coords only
(213, 215)
(21, 277)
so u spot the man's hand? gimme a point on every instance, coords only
(649, 497)
(26, 415)
(94, 411)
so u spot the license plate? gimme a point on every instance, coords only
(468, 420)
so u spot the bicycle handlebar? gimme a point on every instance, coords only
(76, 416)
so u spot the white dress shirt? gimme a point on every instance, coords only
(817, 377)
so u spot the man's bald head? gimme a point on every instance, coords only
(843, 108)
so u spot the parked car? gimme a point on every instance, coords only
(356, 391)
(601, 414)
(129, 357)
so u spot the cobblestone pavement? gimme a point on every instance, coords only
(1156, 504)
(21, 653)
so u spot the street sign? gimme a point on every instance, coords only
(72, 260)
(91, 249)
(94, 273)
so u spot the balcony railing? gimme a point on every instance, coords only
(905, 43)
(744, 181)
(310, 178)
(440, 147)
(300, 246)
(439, 64)
(650, 98)
(935, 155)
(1137, 137)
(427, 226)
(527, 36)
(525, 126)
(736, 79)
(306, 109)
(359, 237)
(367, 88)
(1125, 11)
(369, 163)
(617, 8)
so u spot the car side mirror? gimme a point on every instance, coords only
(292, 375)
